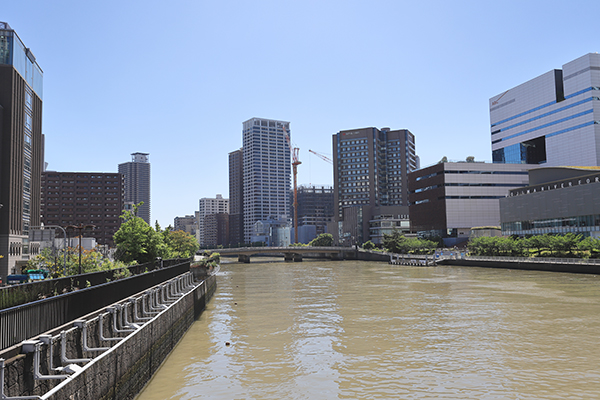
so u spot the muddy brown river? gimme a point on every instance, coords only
(369, 330)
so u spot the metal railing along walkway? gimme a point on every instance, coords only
(28, 320)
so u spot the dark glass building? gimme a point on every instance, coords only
(21, 148)
(137, 183)
(236, 197)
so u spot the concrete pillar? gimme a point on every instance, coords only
(297, 257)
(244, 258)
(288, 256)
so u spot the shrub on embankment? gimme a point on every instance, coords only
(210, 260)
(568, 245)
(398, 243)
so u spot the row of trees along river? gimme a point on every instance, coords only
(136, 243)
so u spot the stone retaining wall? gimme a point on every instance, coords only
(119, 373)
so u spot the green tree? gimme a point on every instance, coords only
(181, 244)
(323, 240)
(368, 245)
(398, 243)
(393, 241)
(591, 246)
(137, 241)
(537, 242)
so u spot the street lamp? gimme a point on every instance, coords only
(81, 227)
(64, 242)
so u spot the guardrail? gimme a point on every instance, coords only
(14, 295)
(28, 320)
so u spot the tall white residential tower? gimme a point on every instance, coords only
(267, 172)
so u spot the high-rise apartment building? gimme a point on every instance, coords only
(552, 119)
(21, 147)
(208, 206)
(236, 197)
(267, 172)
(90, 199)
(370, 168)
(136, 175)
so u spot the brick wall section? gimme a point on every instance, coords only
(116, 374)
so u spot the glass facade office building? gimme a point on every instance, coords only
(551, 120)
(21, 147)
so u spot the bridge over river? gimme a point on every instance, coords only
(290, 253)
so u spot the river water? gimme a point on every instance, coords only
(369, 330)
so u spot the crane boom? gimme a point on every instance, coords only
(321, 156)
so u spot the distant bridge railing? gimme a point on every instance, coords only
(28, 320)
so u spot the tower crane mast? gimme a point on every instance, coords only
(295, 162)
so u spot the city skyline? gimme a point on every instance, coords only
(428, 67)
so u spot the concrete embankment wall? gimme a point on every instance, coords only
(122, 371)
(373, 256)
(531, 266)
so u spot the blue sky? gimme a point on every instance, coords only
(177, 79)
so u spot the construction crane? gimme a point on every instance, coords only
(322, 157)
(295, 162)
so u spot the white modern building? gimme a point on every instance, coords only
(209, 206)
(552, 119)
(267, 172)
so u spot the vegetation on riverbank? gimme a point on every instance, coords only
(398, 243)
(137, 241)
(568, 245)
(54, 262)
(210, 260)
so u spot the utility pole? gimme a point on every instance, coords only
(81, 227)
